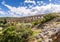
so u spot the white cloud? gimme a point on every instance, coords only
(50, 0)
(29, 1)
(23, 11)
(41, 2)
(56, 8)
(2, 12)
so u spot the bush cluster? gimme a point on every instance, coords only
(15, 34)
(45, 18)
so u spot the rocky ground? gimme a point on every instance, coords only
(50, 31)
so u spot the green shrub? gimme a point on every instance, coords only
(10, 34)
(45, 18)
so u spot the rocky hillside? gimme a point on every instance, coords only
(50, 31)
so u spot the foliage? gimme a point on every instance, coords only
(20, 32)
(2, 22)
(45, 18)
(10, 34)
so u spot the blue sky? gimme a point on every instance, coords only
(20, 8)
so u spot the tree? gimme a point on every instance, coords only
(4, 21)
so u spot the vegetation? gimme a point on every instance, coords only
(45, 18)
(21, 32)
(10, 34)
(14, 32)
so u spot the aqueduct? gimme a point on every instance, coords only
(25, 19)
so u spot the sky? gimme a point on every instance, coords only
(21, 8)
